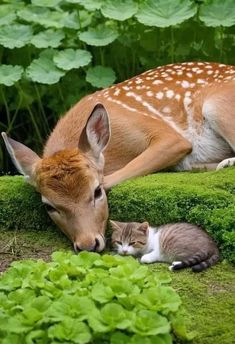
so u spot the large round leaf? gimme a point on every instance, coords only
(119, 9)
(217, 13)
(100, 77)
(90, 5)
(163, 13)
(15, 36)
(69, 58)
(46, 3)
(100, 36)
(7, 14)
(48, 38)
(49, 18)
(43, 69)
(10, 74)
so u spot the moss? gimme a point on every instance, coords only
(208, 301)
(20, 206)
(206, 199)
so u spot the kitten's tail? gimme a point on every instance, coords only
(197, 262)
(212, 260)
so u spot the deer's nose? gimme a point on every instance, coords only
(86, 247)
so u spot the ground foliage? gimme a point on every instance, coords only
(88, 298)
(54, 52)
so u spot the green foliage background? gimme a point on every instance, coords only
(53, 52)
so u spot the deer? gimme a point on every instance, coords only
(179, 116)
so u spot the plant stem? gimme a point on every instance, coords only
(102, 57)
(15, 114)
(221, 31)
(5, 104)
(172, 44)
(45, 122)
(31, 115)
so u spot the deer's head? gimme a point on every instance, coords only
(71, 182)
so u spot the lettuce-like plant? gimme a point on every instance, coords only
(87, 298)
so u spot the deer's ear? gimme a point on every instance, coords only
(23, 158)
(96, 133)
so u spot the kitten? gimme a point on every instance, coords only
(181, 244)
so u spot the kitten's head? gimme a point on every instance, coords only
(129, 238)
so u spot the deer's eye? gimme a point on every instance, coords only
(98, 192)
(49, 208)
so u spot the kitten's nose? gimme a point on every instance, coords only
(124, 252)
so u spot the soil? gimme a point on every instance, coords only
(18, 245)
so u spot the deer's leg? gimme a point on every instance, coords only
(219, 110)
(162, 152)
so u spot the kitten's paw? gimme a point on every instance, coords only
(225, 163)
(175, 266)
(146, 259)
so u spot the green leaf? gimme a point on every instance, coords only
(218, 13)
(115, 316)
(15, 36)
(101, 293)
(150, 323)
(159, 339)
(119, 9)
(70, 330)
(100, 36)
(164, 13)
(100, 76)
(10, 74)
(69, 58)
(119, 338)
(43, 70)
(48, 18)
(7, 14)
(46, 3)
(90, 5)
(48, 39)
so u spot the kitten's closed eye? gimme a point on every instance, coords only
(116, 242)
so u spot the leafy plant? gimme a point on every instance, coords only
(87, 298)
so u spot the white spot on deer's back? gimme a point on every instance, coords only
(166, 109)
(159, 95)
(201, 81)
(157, 82)
(170, 94)
(116, 92)
(149, 93)
(185, 84)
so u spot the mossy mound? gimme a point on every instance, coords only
(206, 199)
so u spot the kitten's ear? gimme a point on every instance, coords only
(116, 226)
(144, 227)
